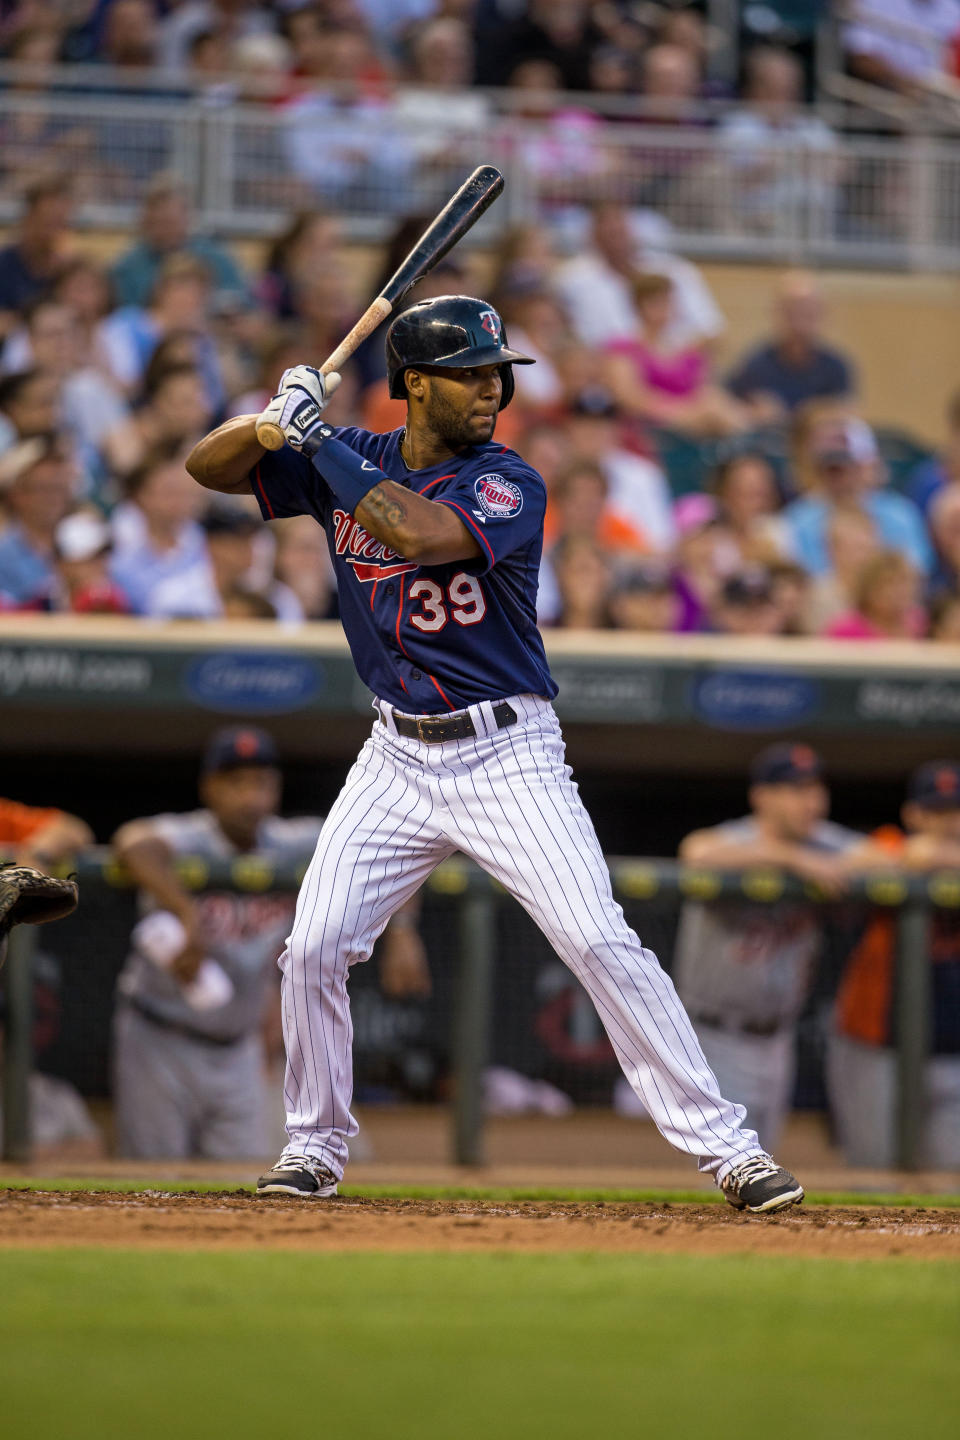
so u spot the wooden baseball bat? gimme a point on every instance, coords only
(460, 214)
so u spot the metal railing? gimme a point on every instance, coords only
(724, 192)
(912, 898)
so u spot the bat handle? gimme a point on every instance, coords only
(269, 433)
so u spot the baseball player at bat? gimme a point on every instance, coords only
(436, 532)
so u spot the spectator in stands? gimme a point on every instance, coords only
(698, 570)
(945, 618)
(744, 971)
(638, 492)
(887, 602)
(84, 286)
(669, 83)
(644, 598)
(931, 476)
(174, 414)
(524, 260)
(901, 44)
(768, 141)
(435, 100)
(844, 463)
(582, 574)
(81, 583)
(559, 31)
(794, 367)
(222, 575)
(156, 530)
(852, 540)
(750, 525)
(535, 319)
(662, 382)
(791, 594)
(746, 605)
(180, 302)
(39, 250)
(165, 232)
(304, 248)
(40, 485)
(232, 19)
(338, 137)
(944, 520)
(302, 564)
(91, 406)
(862, 1057)
(596, 287)
(130, 34)
(29, 405)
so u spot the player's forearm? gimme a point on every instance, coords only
(223, 459)
(151, 866)
(723, 854)
(416, 528)
(64, 835)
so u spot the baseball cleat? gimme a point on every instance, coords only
(301, 1175)
(761, 1186)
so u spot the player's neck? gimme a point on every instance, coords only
(420, 449)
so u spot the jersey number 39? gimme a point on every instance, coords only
(464, 597)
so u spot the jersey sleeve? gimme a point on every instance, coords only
(502, 508)
(285, 483)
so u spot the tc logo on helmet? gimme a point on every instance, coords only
(490, 321)
(498, 497)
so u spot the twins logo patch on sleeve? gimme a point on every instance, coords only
(498, 497)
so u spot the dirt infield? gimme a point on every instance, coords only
(156, 1220)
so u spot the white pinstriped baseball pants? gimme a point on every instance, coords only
(506, 799)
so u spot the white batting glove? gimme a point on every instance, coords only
(306, 377)
(298, 415)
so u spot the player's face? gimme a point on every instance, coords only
(791, 810)
(941, 824)
(242, 797)
(459, 406)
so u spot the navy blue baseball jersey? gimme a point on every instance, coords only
(431, 638)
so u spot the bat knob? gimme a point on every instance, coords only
(269, 435)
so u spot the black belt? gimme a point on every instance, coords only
(177, 1026)
(763, 1028)
(433, 729)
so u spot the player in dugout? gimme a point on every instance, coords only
(861, 1054)
(436, 533)
(194, 1003)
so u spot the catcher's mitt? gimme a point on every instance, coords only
(28, 897)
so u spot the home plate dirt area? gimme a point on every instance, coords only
(156, 1219)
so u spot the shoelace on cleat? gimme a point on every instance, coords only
(304, 1162)
(758, 1167)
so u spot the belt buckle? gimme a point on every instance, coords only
(421, 730)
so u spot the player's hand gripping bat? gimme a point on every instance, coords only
(460, 214)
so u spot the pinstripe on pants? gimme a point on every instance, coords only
(506, 799)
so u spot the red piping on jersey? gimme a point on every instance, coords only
(399, 616)
(262, 491)
(440, 692)
(437, 482)
(479, 534)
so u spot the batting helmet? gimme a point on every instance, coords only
(454, 331)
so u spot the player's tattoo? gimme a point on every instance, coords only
(388, 508)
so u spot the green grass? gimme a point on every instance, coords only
(503, 1193)
(126, 1345)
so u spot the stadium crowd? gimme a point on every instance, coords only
(690, 489)
(751, 498)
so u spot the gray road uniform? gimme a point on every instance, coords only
(744, 973)
(190, 1081)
